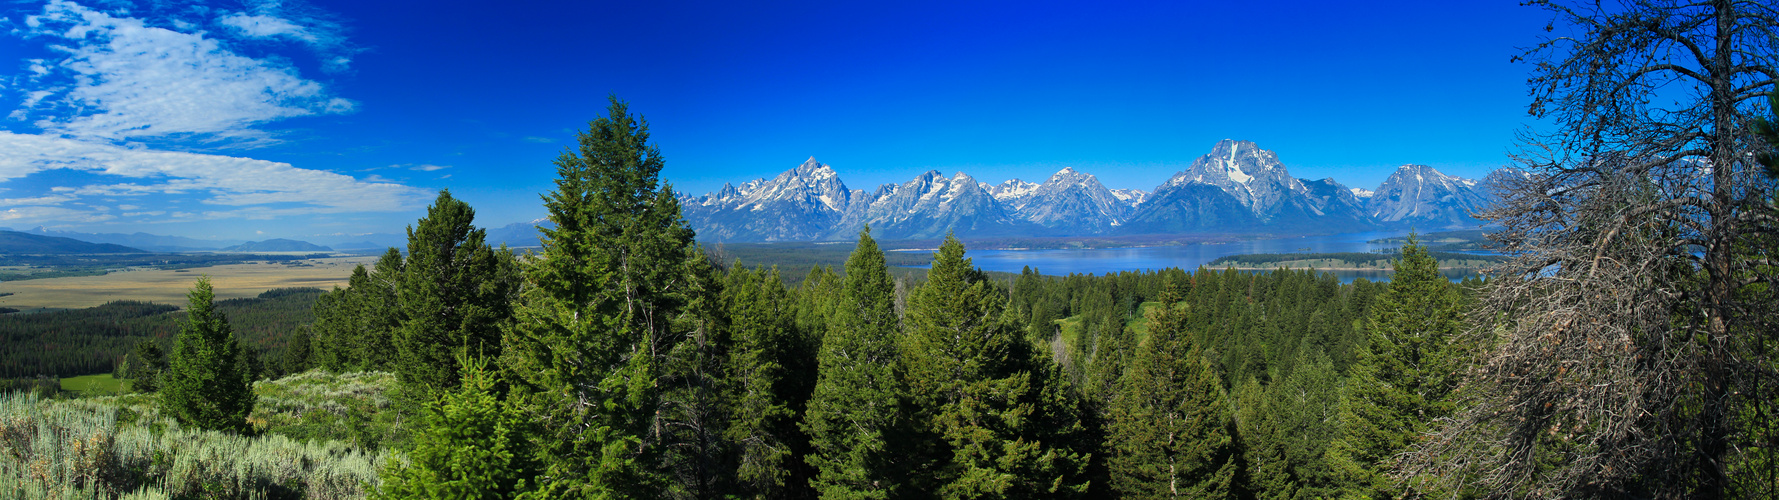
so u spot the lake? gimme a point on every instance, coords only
(1188, 257)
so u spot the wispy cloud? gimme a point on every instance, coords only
(428, 168)
(539, 140)
(226, 180)
(194, 79)
(123, 78)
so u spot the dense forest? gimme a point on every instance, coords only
(97, 339)
(1625, 347)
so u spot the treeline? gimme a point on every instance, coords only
(96, 339)
(623, 362)
(1363, 258)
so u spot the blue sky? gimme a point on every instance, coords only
(253, 120)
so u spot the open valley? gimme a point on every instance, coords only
(170, 286)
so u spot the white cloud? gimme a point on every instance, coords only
(38, 200)
(128, 79)
(428, 168)
(51, 214)
(258, 26)
(227, 180)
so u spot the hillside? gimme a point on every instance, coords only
(17, 242)
(277, 245)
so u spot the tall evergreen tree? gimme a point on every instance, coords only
(597, 313)
(1404, 376)
(1170, 434)
(205, 385)
(355, 327)
(455, 294)
(977, 388)
(145, 367)
(768, 385)
(856, 408)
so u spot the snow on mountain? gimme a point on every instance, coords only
(1012, 191)
(1240, 175)
(1071, 202)
(1253, 176)
(800, 204)
(1130, 197)
(1421, 197)
(1238, 187)
(927, 207)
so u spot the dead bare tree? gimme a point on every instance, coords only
(1631, 337)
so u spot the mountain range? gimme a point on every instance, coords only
(1236, 188)
(15, 242)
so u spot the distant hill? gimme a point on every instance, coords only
(17, 242)
(145, 241)
(518, 234)
(277, 245)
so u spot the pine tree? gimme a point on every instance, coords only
(455, 293)
(205, 385)
(1403, 378)
(355, 327)
(146, 366)
(976, 387)
(296, 353)
(693, 419)
(856, 408)
(596, 315)
(767, 386)
(1170, 433)
(472, 445)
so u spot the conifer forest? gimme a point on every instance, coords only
(1623, 345)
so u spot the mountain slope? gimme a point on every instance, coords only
(928, 207)
(800, 204)
(1068, 203)
(277, 245)
(144, 241)
(1419, 196)
(27, 243)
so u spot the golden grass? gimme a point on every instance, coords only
(170, 286)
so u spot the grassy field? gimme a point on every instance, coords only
(170, 286)
(95, 385)
(122, 446)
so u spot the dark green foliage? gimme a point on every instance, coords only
(205, 386)
(355, 326)
(296, 353)
(94, 340)
(144, 367)
(1171, 435)
(455, 294)
(1354, 258)
(597, 313)
(855, 412)
(770, 379)
(474, 445)
(978, 393)
(1767, 128)
(1404, 376)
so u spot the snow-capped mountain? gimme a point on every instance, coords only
(1253, 176)
(1245, 177)
(1237, 188)
(1421, 197)
(1130, 197)
(1012, 191)
(926, 207)
(800, 204)
(1069, 202)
